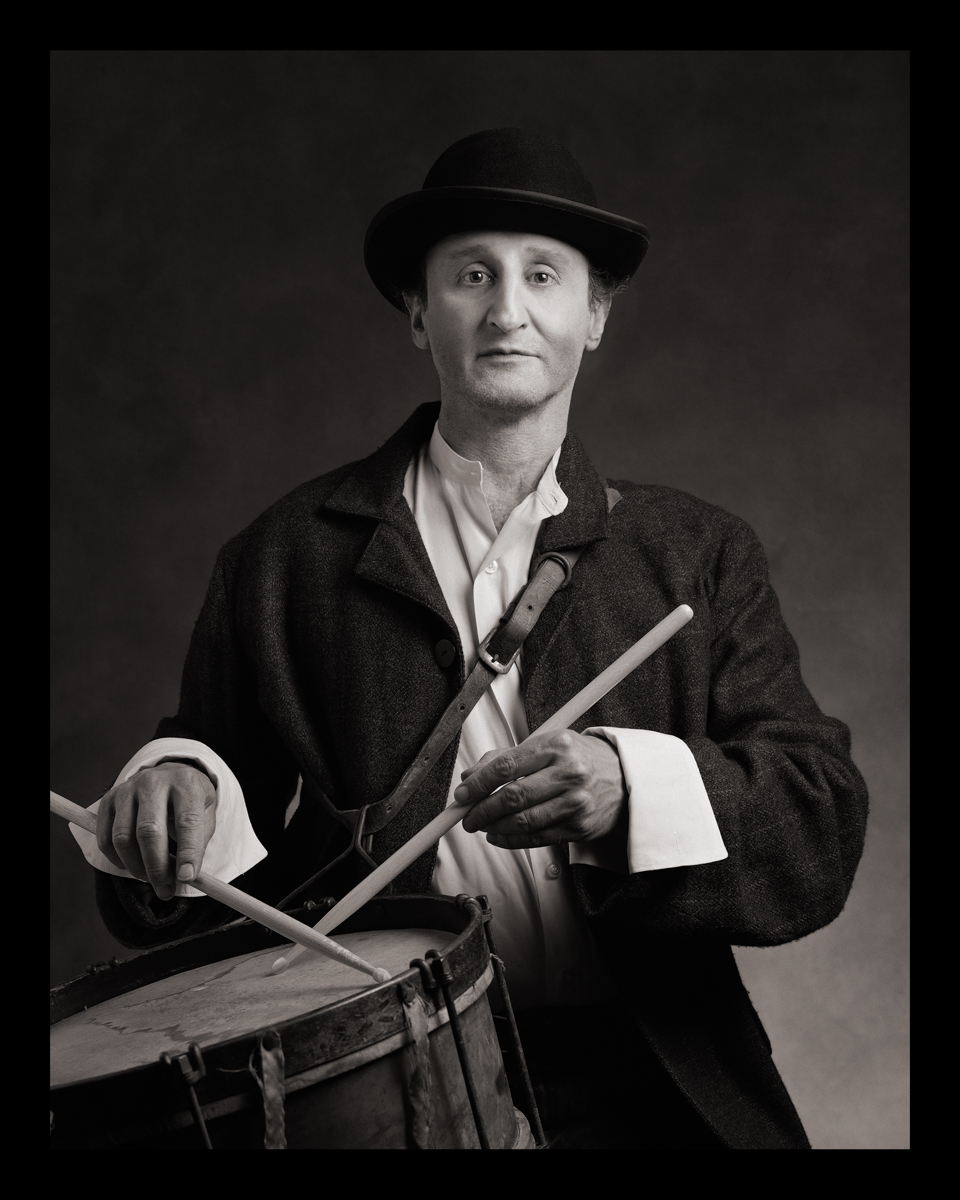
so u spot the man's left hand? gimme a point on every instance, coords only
(558, 787)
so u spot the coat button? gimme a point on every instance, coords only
(444, 652)
(554, 871)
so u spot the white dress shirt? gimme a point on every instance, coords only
(540, 933)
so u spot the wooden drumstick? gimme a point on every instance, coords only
(564, 717)
(288, 927)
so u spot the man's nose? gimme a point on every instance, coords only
(507, 311)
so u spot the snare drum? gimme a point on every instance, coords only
(199, 1040)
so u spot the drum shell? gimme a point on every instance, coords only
(347, 1065)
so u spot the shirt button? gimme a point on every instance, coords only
(490, 567)
(553, 871)
(444, 652)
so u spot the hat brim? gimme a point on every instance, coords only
(402, 232)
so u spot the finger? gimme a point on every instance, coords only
(502, 768)
(123, 833)
(549, 824)
(154, 803)
(488, 757)
(513, 800)
(191, 829)
(106, 815)
(530, 841)
(559, 819)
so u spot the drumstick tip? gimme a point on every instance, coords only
(380, 974)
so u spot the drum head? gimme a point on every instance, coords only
(220, 1001)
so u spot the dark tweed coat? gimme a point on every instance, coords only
(314, 655)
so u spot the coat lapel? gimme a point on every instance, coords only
(395, 557)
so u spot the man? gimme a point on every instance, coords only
(704, 802)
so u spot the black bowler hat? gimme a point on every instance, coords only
(505, 179)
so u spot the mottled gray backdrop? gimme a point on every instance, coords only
(216, 342)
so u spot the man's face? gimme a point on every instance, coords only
(507, 319)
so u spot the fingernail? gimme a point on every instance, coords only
(185, 872)
(462, 794)
(164, 892)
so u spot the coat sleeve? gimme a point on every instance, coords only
(221, 702)
(219, 707)
(789, 802)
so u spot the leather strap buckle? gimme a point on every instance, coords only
(501, 668)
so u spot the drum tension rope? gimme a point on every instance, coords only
(271, 1081)
(435, 973)
(420, 1081)
(500, 971)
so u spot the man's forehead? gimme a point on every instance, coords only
(477, 243)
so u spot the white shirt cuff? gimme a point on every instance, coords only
(234, 847)
(670, 819)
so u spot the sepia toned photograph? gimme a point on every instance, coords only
(480, 630)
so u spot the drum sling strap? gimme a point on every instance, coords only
(497, 654)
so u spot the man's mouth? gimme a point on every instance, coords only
(504, 353)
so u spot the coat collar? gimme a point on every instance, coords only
(374, 488)
(584, 520)
(396, 557)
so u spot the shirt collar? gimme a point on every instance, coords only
(470, 473)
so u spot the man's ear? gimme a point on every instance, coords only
(418, 331)
(598, 320)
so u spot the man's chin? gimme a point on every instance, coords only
(504, 399)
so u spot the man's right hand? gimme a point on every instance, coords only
(138, 820)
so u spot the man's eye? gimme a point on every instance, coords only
(475, 276)
(542, 277)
